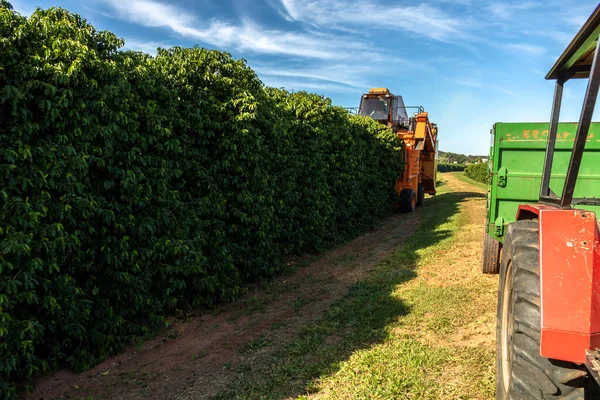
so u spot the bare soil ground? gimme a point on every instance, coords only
(201, 354)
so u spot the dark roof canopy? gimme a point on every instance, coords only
(576, 60)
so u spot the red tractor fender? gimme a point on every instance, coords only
(569, 267)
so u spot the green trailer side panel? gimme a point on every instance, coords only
(517, 161)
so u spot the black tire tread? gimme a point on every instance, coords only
(490, 256)
(406, 196)
(529, 280)
(420, 195)
(533, 376)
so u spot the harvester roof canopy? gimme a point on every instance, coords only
(379, 91)
(576, 60)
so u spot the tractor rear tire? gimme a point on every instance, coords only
(490, 256)
(521, 373)
(421, 196)
(408, 200)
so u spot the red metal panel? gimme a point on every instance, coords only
(569, 281)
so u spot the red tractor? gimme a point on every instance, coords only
(548, 331)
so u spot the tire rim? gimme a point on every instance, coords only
(507, 328)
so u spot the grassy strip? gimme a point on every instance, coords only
(463, 178)
(394, 335)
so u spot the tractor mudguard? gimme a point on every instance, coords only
(569, 263)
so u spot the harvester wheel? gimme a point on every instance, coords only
(521, 373)
(421, 196)
(408, 200)
(490, 257)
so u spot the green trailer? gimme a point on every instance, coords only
(516, 163)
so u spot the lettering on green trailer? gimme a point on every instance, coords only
(543, 135)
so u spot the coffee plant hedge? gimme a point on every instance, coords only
(447, 167)
(478, 172)
(134, 185)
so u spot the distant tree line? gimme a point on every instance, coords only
(455, 158)
(446, 167)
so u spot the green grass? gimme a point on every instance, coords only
(462, 177)
(256, 345)
(387, 337)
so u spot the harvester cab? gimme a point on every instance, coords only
(383, 106)
(420, 140)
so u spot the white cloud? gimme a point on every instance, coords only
(245, 36)
(559, 36)
(356, 74)
(499, 10)
(526, 48)
(254, 38)
(154, 14)
(317, 59)
(423, 19)
(297, 85)
(334, 46)
(460, 2)
(157, 15)
(346, 75)
(506, 10)
(576, 20)
(577, 14)
(480, 85)
(538, 72)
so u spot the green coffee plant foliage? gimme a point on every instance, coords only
(133, 186)
(478, 172)
(446, 167)
(337, 170)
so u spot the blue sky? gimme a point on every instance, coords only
(470, 63)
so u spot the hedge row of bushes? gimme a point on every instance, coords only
(446, 167)
(478, 172)
(134, 185)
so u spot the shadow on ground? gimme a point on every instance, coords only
(357, 321)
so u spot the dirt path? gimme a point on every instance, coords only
(202, 352)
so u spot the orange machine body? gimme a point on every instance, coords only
(421, 147)
(417, 132)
